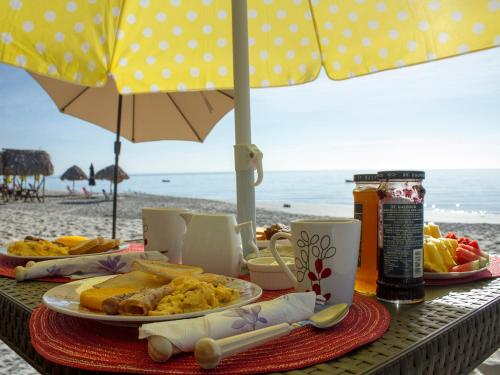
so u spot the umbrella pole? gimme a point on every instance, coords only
(117, 156)
(245, 189)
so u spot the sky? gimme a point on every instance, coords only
(439, 115)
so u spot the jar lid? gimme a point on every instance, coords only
(366, 177)
(401, 175)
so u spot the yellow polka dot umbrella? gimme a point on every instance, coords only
(178, 45)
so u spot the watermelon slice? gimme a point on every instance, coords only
(471, 249)
(484, 254)
(483, 262)
(465, 256)
(470, 266)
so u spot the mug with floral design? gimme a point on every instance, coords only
(326, 257)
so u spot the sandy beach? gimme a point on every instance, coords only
(64, 215)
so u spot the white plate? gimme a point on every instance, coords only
(264, 244)
(450, 275)
(65, 299)
(5, 252)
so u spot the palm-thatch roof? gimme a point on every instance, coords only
(108, 173)
(74, 173)
(26, 163)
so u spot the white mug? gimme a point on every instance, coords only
(326, 257)
(163, 230)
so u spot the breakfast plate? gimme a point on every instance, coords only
(65, 299)
(4, 251)
(450, 275)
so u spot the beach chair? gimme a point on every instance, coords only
(70, 191)
(88, 194)
(106, 195)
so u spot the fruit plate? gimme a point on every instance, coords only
(451, 275)
(5, 252)
(65, 299)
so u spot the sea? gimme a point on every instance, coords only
(471, 196)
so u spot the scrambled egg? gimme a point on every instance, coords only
(37, 248)
(193, 295)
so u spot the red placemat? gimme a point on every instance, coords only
(491, 272)
(8, 265)
(90, 345)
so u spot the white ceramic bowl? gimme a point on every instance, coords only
(267, 273)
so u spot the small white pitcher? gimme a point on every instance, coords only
(213, 242)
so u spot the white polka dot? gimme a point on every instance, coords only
(308, 15)
(131, 19)
(195, 72)
(431, 56)
(165, 73)
(337, 65)
(161, 17)
(315, 55)
(373, 69)
(210, 85)
(252, 13)
(293, 28)
(493, 5)
(177, 30)
(222, 71)
(358, 59)
(423, 25)
(281, 14)
(102, 38)
(52, 69)
(278, 41)
(115, 11)
(434, 5)
(403, 16)
(154, 88)
(265, 83)
(290, 54)
(192, 16)
(77, 77)
(264, 55)
(221, 42)
(328, 25)
(266, 28)
(457, 16)
(138, 75)
(353, 16)
(68, 57)
(179, 58)
(208, 57)
(251, 41)
(463, 48)
(304, 41)
(150, 60)
(383, 52)
(268, 2)
(302, 68)
(400, 63)
(91, 1)
(207, 29)
(50, 16)
(123, 62)
(333, 8)
(251, 69)
(393, 34)
(366, 41)
(40, 47)
(135, 47)
(79, 27)
(16, 4)
(478, 28)
(91, 66)
(443, 37)
(163, 45)
(147, 32)
(347, 33)
(59, 36)
(126, 90)
(193, 43)
(381, 7)
(277, 69)
(28, 26)
(85, 47)
(412, 46)
(373, 24)
(175, 3)
(144, 3)
(325, 41)
(98, 19)
(71, 7)
(21, 60)
(221, 14)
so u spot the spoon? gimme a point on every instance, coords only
(209, 352)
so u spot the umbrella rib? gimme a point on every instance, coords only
(226, 94)
(75, 98)
(184, 117)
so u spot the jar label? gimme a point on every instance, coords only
(358, 215)
(403, 238)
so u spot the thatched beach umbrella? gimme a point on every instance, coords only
(74, 173)
(108, 173)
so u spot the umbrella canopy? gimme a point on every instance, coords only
(108, 174)
(74, 173)
(26, 163)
